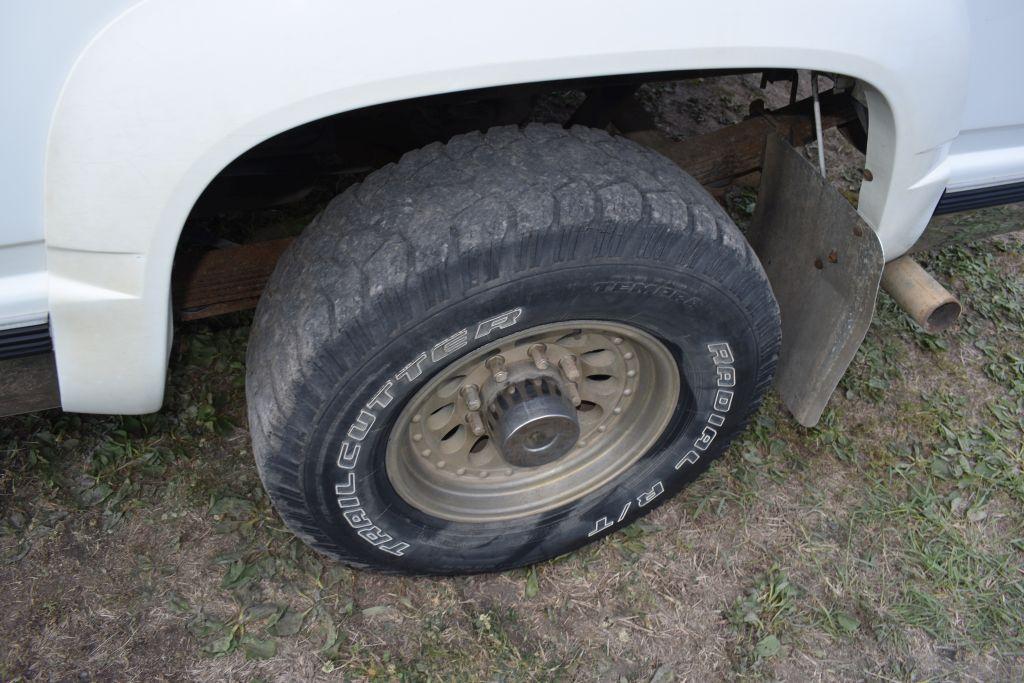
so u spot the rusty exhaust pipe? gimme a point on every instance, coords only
(925, 300)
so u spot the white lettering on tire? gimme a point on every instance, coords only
(722, 356)
(345, 490)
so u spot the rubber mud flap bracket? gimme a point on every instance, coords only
(824, 264)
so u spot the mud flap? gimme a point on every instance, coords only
(824, 264)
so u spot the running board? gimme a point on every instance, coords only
(824, 264)
(979, 198)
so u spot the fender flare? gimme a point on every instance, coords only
(172, 91)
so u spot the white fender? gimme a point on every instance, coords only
(171, 91)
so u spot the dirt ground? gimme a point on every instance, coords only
(885, 544)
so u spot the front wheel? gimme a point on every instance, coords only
(501, 349)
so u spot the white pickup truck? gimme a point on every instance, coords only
(507, 340)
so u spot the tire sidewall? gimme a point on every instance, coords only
(703, 325)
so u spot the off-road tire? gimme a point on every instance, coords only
(557, 224)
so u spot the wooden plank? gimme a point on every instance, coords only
(224, 280)
(28, 384)
(227, 280)
(736, 150)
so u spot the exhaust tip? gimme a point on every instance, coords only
(943, 317)
(930, 304)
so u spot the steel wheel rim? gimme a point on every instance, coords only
(627, 385)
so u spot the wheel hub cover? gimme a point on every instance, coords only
(533, 423)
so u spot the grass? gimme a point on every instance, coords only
(885, 544)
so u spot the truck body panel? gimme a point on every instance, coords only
(157, 96)
(989, 148)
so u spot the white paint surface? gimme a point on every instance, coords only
(171, 91)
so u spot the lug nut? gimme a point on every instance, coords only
(471, 395)
(574, 394)
(537, 356)
(476, 425)
(496, 364)
(569, 368)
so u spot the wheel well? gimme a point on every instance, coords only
(349, 145)
(274, 189)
